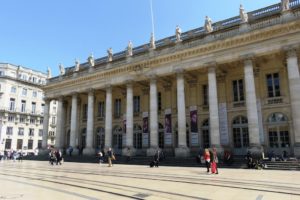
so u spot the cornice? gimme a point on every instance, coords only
(212, 47)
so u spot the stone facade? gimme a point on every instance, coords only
(22, 109)
(239, 81)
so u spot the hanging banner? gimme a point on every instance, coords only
(194, 136)
(224, 138)
(145, 129)
(260, 122)
(168, 127)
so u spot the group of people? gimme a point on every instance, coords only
(55, 156)
(11, 155)
(211, 160)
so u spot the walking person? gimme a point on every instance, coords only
(110, 156)
(214, 161)
(157, 158)
(206, 156)
(100, 157)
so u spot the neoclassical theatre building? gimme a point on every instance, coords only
(232, 84)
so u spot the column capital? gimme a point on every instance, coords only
(91, 91)
(178, 70)
(151, 76)
(74, 94)
(291, 51)
(247, 57)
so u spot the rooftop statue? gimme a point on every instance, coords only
(110, 54)
(129, 49)
(152, 41)
(91, 60)
(178, 33)
(285, 4)
(49, 74)
(77, 65)
(243, 14)
(61, 69)
(208, 27)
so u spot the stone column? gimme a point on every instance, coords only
(73, 131)
(294, 85)
(213, 109)
(89, 150)
(59, 133)
(153, 118)
(108, 118)
(252, 114)
(46, 126)
(129, 120)
(182, 150)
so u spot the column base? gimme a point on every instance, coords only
(182, 152)
(152, 151)
(89, 151)
(130, 152)
(256, 150)
(297, 150)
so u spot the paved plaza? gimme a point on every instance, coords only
(38, 180)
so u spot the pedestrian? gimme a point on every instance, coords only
(110, 157)
(214, 161)
(206, 156)
(157, 158)
(128, 154)
(100, 157)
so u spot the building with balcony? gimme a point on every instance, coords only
(22, 109)
(232, 84)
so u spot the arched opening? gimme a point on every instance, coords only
(278, 131)
(240, 134)
(117, 137)
(205, 134)
(137, 136)
(100, 138)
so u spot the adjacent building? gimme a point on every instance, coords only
(232, 84)
(22, 109)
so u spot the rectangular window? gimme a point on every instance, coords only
(10, 118)
(117, 107)
(273, 138)
(53, 120)
(34, 94)
(12, 104)
(31, 132)
(101, 109)
(40, 144)
(40, 132)
(13, 89)
(136, 104)
(19, 144)
(33, 107)
(32, 120)
(30, 144)
(24, 92)
(238, 90)
(21, 132)
(84, 114)
(22, 119)
(9, 130)
(41, 120)
(23, 106)
(273, 85)
(8, 144)
(205, 95)
(159, 107)
(43, 108)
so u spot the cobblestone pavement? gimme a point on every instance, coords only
(32, 180)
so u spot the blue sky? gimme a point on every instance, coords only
(40, 34)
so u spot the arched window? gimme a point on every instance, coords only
(205, 134)
(117, 137)
(137, 136)
(100, 138)
(240, 132)
(278, 129)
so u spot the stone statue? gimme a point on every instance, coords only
(152, 41)
(178, 33)
(61, 69)
(285, 4)
(91, 60)
(243, 14)
(129, 49)
(109, 54)
(49, 74)
(208, 27)
(77, 65)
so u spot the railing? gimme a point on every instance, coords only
(253, 16)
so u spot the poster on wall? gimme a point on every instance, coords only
(168, 127)
(194, 136)
(145, 129)
(224, 138)
(260, 122)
